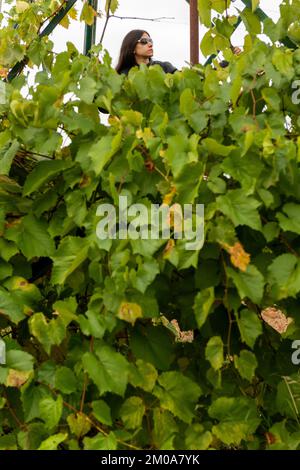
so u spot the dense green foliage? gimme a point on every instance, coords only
(93, 360)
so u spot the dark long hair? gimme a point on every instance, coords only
(127, 57)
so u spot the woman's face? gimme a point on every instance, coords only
(144, 50)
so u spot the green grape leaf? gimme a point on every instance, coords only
(178, 394)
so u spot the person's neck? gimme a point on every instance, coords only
(142, 60)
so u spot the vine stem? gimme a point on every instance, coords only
(289, 247)
(85, 382)
(254, 105)
(92, 423)
(52, 14)
(227, 308)
(142, 19)
(108, 16)
(148, 157)
(284, 240)
(86, 379)
(161, 174)
(292, 398)
(25, 152)
(19, 423)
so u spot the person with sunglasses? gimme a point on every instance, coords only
(137, 48)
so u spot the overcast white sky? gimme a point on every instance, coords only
(171, 36)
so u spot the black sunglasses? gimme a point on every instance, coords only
(145, 41)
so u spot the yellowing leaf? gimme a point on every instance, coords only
(232, 19)
(145, 134)
(21, 6)
(168, 198)
(65, 22)
(79, 424)
(114, 121)
(16, 378)
(47, 333)
(88, 14)
(111, 5)
(131, 117)
(130, 312)
(73, 13)
(238, 256)
(169, 247)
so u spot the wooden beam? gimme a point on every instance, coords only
(194, 32)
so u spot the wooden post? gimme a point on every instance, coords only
(194, 32)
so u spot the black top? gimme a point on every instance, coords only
(166, 66)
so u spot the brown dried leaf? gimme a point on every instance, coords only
(3, 72)
(276, 319)
(12, 223)
(85, 181)
(271, 439)
(186, 337)
(149, 165)
(182, 336)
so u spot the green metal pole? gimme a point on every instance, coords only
(90, 31)
(17, 69)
